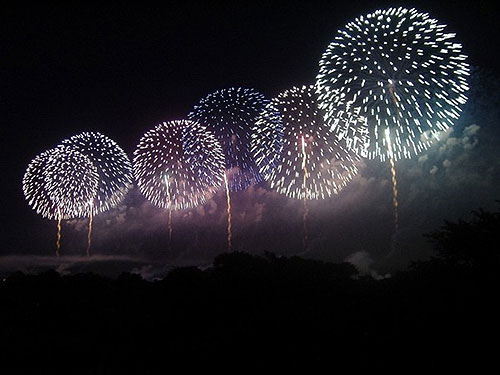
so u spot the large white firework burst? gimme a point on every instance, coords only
(113, 167)
(230, 114)
(178, 164)
(61, 183)
(291, 134)
(402, 70)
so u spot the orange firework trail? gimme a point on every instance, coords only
(306, 209)
(228, 196)
(393, 178)
(89, 234)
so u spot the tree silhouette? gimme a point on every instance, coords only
(473, 243)
(265, 311)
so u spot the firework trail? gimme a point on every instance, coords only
(229, 223)
(178, 165)
(306, 208)
(59, 184)
(296, 151)
(402, 71)
(113, 168)
(169, 208)
(393, 178)
(89, 233)
(58, 240)
(230, 114)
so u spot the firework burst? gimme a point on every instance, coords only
(309, 161)
(61, 183)
(405, 73)
(400, 69)
(230, 114)
(113, 167)
(178, 164)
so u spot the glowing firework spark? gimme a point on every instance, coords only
(310, 161)
(178, 164)
(60, 183)
(113, 167)
(401, 70)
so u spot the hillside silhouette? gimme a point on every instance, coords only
(249, 311)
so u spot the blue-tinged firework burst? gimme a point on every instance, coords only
(230, 114)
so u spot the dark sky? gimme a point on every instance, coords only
(122, 69)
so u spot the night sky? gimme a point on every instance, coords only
(121, 70)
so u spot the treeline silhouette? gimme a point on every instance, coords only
(252, 311)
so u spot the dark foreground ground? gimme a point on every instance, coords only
(250, 311)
